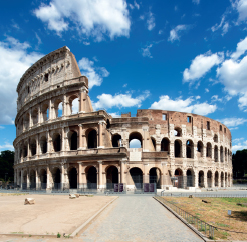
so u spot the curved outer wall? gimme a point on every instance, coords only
(56, 146)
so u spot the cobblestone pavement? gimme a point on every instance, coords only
(137, 218)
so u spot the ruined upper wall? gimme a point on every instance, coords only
(51, 69)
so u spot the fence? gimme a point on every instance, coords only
(165, 194)
(200, 225)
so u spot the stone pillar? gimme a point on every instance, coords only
(62, 139)
(80, 174)
(50, 110)
(213, 181)
(196, 179)
(28, 181)
(49, 141)
(30, 119)
(100, 185)
(164, 176)
(48, 179)
(37, 145)
(37, 179)
(64, 106)
(172, 149)
(83, 98)
(204, 153)
(62, 176)
(80, 138)
(100, 131)
(145, 141)
(39, 114)
(184, 149)
(21, 178)
(28, 149)
(158, 146)
(146, 173)
(205, 179)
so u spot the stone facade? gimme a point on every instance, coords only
(55, 145)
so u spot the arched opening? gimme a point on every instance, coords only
(116, 140)
(226, 184)
(43, 145)
(201, 179)
(32, 179)
(137, 177)
(33, 147)
(209, 150)
(179, 181)
(199, 149)
(91, 174)
(216, 153)
(154, 143)
(135, 140)
(56, 142)
(26, 121)
(43, 178)
(45, 112)
(25, 150)
(92, 139)
(225, 154)
(178, 148)
(58, 107)
(24, 180)
(190, 178)
(111, 176)
(155, 177)
(216, 179)
(56, 178)
(221, 154)
(35, 116)
(72, 140)
(73, 178)
(229, 180)
(74, 104)
(216, 138)
(222, 179)
(178, 132)
(165, 144)
(189, 149)
(209, 178)
(108, 125)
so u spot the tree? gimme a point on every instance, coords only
(239, 163)
(6, 165)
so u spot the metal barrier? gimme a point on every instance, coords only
(166, 194)
(200, 225)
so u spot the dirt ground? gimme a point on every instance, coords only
(50, 214)
(216, 214)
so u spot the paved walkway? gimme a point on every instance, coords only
(137, 218)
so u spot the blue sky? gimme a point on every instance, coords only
(187, 55)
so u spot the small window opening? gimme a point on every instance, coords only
(208, 125)
(224, 130)
(58, 86)
(189, 119)
(163, 116)
(28, 89)
(220, 127)
(46, 77)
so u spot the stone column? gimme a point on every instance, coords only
(205, 180)
(100, 138)
(80, 175)
(196, 179)
(30, 119)
(184, 149)
(213, 181)
(62, 176)
(28, 149)
(48, 178)
(100, 185)
(21, 178)
(64, 105)
(158, 146)
(37, 179)
(83, 98)
(62, 139)
(37, 145)
(80, 137)
(39, 114)
(164, 176)
(146, 173)
(50, 110)
(49, 141)
(144, 142)
(28, 181)
(122, 163)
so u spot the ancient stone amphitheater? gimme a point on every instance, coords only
(63, 143)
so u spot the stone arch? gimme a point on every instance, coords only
(26, 121)
(91, 175)
(179, 182)
(134, 137)
(56, 178)
(137, 176)
(200, 147)
(155, 176)
(177, 132)
(72, 172)
(209, 150)
(58, 107)
(226, 183)
(221, 154)
(222, 179)
(116, 140)
(154, 143)
(43, 144)
(189, 149)
(216, 138)
(45, 112)
(165, 144)
(32, 179)
(73, 141)
(33, 147)
(225, 154)
(91, 135)
(216, 178)
(201, 178)
(190, 177)
(35, 116)
(111, 176)
(74, 104)
(43, 178)
(25, 149)
(216, 153)
(56, 140)
(178, 148)
(24, 180)
(209, 178)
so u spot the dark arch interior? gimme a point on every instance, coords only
(73, 178)
(155, 177)
(135, 136)
(154, 143)
(32, 179)
(116, 140)
(179, 182)
(189, 178)
(189, 147)
(92, 139)
(92, 175)
(43, 145)
(57, 143)
(33, 148)
(57, 178)
(201, 179)
(43, 179)
(165, 145)
(177, 148)
(73, 141)
(137, 176)
(112, 175)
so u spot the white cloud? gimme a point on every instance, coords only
(15, 60)
(137, 5)
(7, 146)
(201, 65)
(225, 28)
(239, 146)
(206, 90)
(233, 122)
(165, 103)
(91, 17)
(94, 74)
(38, 38)
(125, 85)
(119, 100)
(86, 43)
(150, 21)
(241, 49)
(146, 51)
(2, 127)
(198, 97)
(115, 115)
(175, 33)
(196, 1)
(241, 6)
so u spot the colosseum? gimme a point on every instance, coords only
(62, 143)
